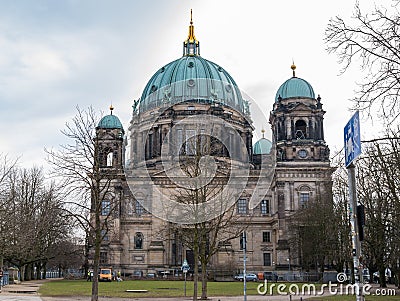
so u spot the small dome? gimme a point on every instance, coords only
(262, 147)
(110, 122)
(295, 87)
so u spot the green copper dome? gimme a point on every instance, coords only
(110, 122)
(191, 78)
(294, 87)
(262, 147)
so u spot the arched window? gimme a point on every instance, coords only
(304, 195)
(110, 157)
(300, 129)
(138, 240)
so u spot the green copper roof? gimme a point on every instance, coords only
(262, 147)
(110, 122)
(191, 78)
(295, 87)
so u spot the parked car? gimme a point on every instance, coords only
(105, 275)
(271, 276)
(249, 277)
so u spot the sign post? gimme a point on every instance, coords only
(244, 244)
(352, 147)
(185, 268)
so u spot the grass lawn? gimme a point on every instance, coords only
(165, 288)
(156, 288)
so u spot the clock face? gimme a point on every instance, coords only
(302, 153)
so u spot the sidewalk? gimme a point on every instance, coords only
(27, 291)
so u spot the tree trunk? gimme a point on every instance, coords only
(96, 261)
(196, 263)
(27, 271)
(203, 280)
(382, 276)
(398, 279)
(195, 275)
(32, 272)
(44, 270)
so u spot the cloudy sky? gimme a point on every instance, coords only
(55, 55)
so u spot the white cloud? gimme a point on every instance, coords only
(54, 57)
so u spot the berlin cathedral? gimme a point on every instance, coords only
(192, 97)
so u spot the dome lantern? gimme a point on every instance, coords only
(191, 46)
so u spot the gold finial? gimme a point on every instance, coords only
(191, 37)
(263, 132)
(111, 108)
(293, 67)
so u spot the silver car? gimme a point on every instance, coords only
(249, 277)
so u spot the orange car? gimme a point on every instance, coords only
(105, 275)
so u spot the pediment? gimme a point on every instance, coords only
(107, 136)
(299, 106)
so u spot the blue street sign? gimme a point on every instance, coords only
(185, 266)
(352, 140)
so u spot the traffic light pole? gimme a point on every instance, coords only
(356, 245)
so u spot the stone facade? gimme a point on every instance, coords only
(140, 239)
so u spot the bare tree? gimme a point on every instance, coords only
(209, 220)
(35, 221)
(340, 192)
(371, 41)
(88, 186)
(379, 187)
(6, 166)
(315, 228)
